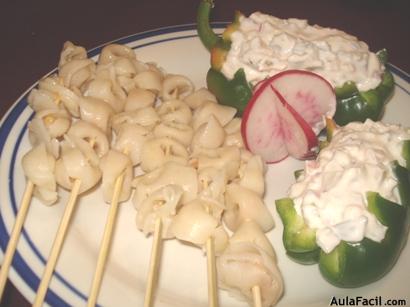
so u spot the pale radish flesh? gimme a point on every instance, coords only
(305, 134)
(309, 94)
(272, 131)
(285, 114)
(262, 129)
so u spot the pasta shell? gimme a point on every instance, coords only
(175, 110)
(139, 98)
(176, 87)
(107, 90)
(39, 100)
(156, 152)
(69, 98)
(253, 175)
(169, 173)
(89, 139)
(71, 52)
(227, 158)
(113, 164)
(224, 114)
(244, 265)
(96, 112)
(130, 139)
(39, 166)
(209, 135)
(146, 117)
(180, 132)
(160, 204)
(112, 52)
(199, 97)
(149, 80)
(74, 165)
(243, 204)
(193, 224)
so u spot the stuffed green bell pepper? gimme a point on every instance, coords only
(349, 210)
(253, 48)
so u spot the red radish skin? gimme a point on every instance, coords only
(275, 127)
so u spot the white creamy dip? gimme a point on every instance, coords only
(264, 45)
(331, 193)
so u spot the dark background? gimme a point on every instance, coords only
(32, 34)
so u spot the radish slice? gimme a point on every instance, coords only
(271, 129)
(262, 128)
(309, 94)
(285, 113)
(294, 149)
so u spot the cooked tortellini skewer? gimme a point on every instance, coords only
(98, 122)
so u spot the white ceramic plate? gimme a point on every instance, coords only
(183, 276)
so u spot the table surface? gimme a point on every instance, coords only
(33, 32)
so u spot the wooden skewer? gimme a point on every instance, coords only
(257, 298)
(105, 242)
(154, 263)
(211, 269)
(212, 288)
(58, 242)
(15, 234)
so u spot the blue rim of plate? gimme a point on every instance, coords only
(19, 264)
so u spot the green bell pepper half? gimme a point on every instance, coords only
(235, 92)
(355, 105)
(354, 264)
(352, 104)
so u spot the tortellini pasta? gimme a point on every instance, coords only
(40, 99)
(69, 97)
(158, 151)
(114, 164)
(193, 224)
(75, 68)
(107, 91)
(180, 132)
(199, 97)
(175, 110)
(248, 261)
(224, 114)
(176, 87)
(139, 98)
(252, 175)
(160, 204)
(47, 127)
(39, 167)
(243, 204)
(89, 139)
(96, 112)
(169, 173)
(130, 138)
(74, 165)
(209, 135)
(146, 117)
(227, 158)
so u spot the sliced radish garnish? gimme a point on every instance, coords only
(285, 113)
(306, 134)
(309, 94)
